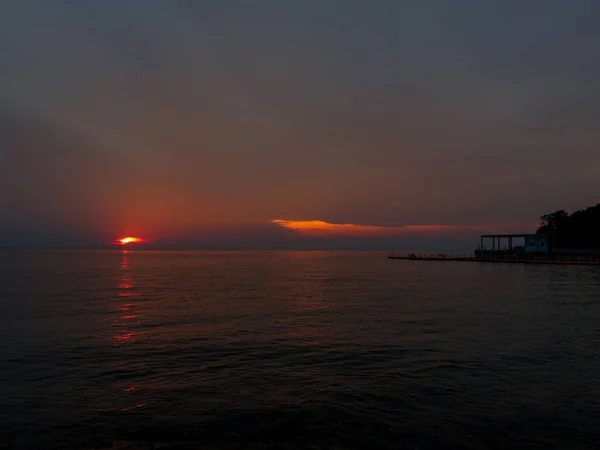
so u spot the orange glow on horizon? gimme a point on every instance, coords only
(321, 227)
(130, 240)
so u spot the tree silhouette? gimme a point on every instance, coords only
(579, 230)
(553, 221)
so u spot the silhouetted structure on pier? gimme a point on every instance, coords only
(532, 244)
(536, 249)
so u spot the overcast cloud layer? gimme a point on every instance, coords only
(203, 121)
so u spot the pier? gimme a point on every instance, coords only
(559, 260)
(534, 251)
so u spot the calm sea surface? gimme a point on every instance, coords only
(140, 349)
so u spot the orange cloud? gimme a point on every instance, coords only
(319, 227)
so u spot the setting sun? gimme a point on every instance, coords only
(130, 240)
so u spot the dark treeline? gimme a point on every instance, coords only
(579, 230)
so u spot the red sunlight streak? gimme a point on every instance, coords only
(123, 337)
(139, 405)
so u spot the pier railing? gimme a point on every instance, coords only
(490, 256)
(533, 257)
(569, 258)
(432, 255)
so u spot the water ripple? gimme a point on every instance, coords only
(293, 350)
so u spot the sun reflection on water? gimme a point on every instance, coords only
(125, 322)
(126, 291)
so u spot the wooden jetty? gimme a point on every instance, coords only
(534, 251)
(516, 259)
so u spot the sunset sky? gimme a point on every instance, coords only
(295, 124)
